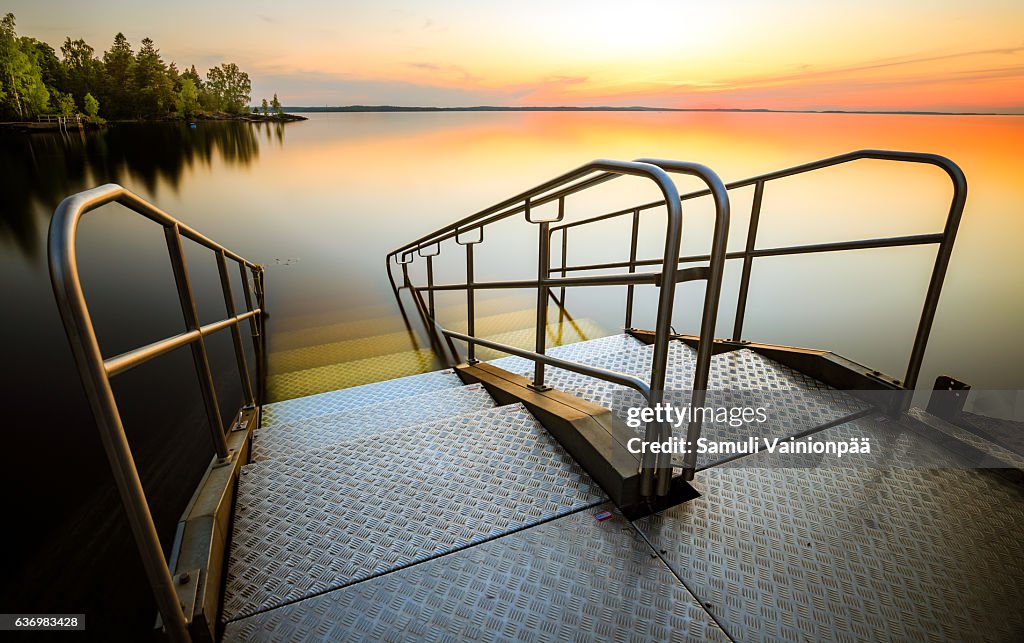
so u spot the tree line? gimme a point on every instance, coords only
(119, 84)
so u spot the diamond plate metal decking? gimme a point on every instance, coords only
(738, 378)
(480, 527)
(875, 550)
(594, 352)
(344, 399)
(571, 579)
(292, 438)
(322, 520)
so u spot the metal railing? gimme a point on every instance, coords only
(655, 468)
(96, 371)
(944, 240)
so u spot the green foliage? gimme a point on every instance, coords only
(193, 75)
(33, 80)
(153, 87)
(50, 66)
(63, 104)
(80, 71)
(188, 97)
(265, 107)
(276, 105)
(24, 93)
(230, 87)
(91, 105)
(119, 75)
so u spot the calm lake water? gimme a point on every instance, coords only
(321, 202)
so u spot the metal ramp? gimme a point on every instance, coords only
(291, 438)
(480, 527)
(571, 579)
(373, 502)
(905, 544)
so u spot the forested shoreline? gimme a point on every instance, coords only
(119, 84)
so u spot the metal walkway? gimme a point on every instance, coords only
(367, 505)
(421, 509)
(416, 509)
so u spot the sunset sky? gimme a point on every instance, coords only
(870, 55)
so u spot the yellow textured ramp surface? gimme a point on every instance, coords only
(348, 350)
(310, 381)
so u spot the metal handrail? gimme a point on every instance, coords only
(944, 239)
(655, 469)
(96, 371)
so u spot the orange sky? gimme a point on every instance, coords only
(793, 54)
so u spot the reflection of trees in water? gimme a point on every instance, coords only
(38, 170)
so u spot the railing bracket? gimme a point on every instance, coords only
(226, 460)
(186, 585)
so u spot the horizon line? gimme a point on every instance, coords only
(631, 108)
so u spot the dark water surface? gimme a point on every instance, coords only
(321, 202)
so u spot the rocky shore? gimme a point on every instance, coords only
(249, 118)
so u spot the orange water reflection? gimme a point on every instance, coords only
(344, 189)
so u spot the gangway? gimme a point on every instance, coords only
(500, 499)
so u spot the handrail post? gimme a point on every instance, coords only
(632, 268)
(656, 476)
(748, 260)
(261, 299)
(470, 305)
(430, 284)
(931, 299)
(561, 294)
(709, 315)
(543, 274)
(236, 333)
(199, 355)
(254, 330)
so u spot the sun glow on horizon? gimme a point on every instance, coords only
(797, 54)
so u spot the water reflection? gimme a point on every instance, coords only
(38, 170)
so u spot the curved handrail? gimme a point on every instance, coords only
(952, 169)
(655, 468)
(517, 204)
(95, 371)
(945, 239)
(712, 294)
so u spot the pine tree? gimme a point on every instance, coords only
(119, 68)
(153, 89)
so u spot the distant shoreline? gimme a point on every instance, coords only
(496, 108)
